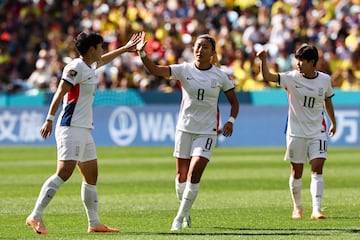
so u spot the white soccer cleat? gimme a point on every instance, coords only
(186, 222)
(176, 225)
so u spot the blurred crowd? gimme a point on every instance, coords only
(36, 38)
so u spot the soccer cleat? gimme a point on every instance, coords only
(317, 215)
(102, 228)
(297, 214)
(186, 222)
(176, 225)
(37, 226)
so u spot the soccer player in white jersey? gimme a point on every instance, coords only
(309, 96)
(75, 145)
(197, 127)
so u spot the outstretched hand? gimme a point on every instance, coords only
(262, 54)
(142, 43)
(132, 43)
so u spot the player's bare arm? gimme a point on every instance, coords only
(63, 88)
(232, 98)
(330, 112)
(157, 70)
(130, 46)
(267, 75)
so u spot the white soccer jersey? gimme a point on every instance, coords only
(306, 102)
(77, 103)
(200, 94)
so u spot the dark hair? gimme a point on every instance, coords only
(307, 52)
(209, 38)
(85, 40)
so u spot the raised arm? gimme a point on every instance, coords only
(130, 46)
(267, 75)
(157, 70)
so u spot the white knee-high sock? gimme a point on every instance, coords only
(295, 186)
(316, 190)
(179, 188)
(189, 196)
(47, 192)
(89, 197)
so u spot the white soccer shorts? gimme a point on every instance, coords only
(74, 143)
(188, 145)
(302, 150)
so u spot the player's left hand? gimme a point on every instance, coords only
(332, 130)
(227, 129)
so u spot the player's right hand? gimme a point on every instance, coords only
(141, 45)
(46, 129)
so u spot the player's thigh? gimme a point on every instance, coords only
(318, 147)
(89, 171)
(296, 150)
(182, 147)
(203, 146)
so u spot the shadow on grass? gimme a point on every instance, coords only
(256, 232)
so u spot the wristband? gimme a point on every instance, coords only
(50, 117)
(232, 120)
(142, 53)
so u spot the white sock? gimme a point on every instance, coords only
(89, 197)
(295, 186)
(316, 190)
(179, 188)
(47, 192)
(189, 196)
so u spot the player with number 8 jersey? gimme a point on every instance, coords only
(200, 94)
(197, 127)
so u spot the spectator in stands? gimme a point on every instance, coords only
(41, 77)
(29, 26)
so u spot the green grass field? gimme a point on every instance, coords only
(244, 194)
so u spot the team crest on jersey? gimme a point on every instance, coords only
(71, 74)
(213, 83)
(321, 92)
